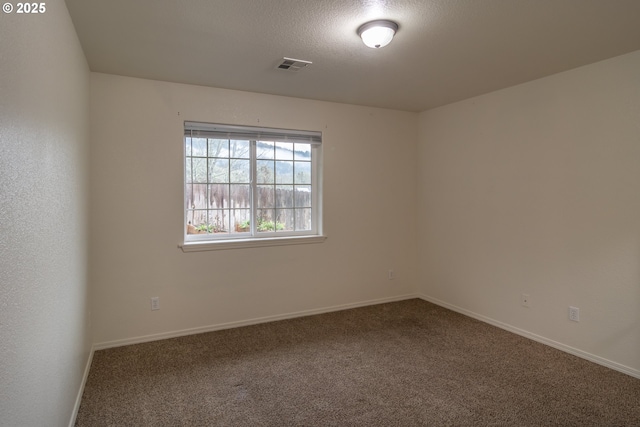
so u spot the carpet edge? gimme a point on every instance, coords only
(538, 338)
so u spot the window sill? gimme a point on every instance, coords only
(249, 243)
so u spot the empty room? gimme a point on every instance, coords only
(320, 213)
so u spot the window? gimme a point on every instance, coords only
(247, 184)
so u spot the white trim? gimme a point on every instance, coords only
(76, 407)
(213, 245)
(551, 343)
(229, 325)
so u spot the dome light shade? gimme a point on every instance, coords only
(377, 34)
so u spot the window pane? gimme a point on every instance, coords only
(285, 220)
(199, 196)
(187, 146)
(284, 150)
(219, 221)
(240, 196)
(240, 149)
(188, 196)
(240, 171)
(199, 147)
(265, 172)
(303, 172)
(265, 220)
(218, 196)
(218, 148)
(302, 152)
(265, 150)
(197, 218)
(302, 196)
(284, 172)
(266, 196)
(218, 170)
(284, 196)
(303, 219)
(240, 220)
(199, 171)
(187, 170)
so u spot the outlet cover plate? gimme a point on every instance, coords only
(574, 314)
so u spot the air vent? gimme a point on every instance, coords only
(291, 64)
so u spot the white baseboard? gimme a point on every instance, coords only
(229, 325)
(76, 407)
(567, 349)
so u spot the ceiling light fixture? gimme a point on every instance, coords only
(377, 34)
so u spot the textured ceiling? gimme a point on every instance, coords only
(445, 50)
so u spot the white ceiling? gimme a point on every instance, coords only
(444, 51)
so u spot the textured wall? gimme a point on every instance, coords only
(137, 218)
(536, 189)
(44, 98)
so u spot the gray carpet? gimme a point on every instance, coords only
(409, 363)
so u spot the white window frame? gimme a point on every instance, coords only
(253, 238)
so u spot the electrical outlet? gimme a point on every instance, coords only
(525, 300)
(392, 274)
(574, 314)
(155, 303)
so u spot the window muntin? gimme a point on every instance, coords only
(246, 183)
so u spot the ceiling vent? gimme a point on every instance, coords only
(291, 64)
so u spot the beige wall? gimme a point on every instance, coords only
(137, 218)
(536, 189)
(44, 139)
